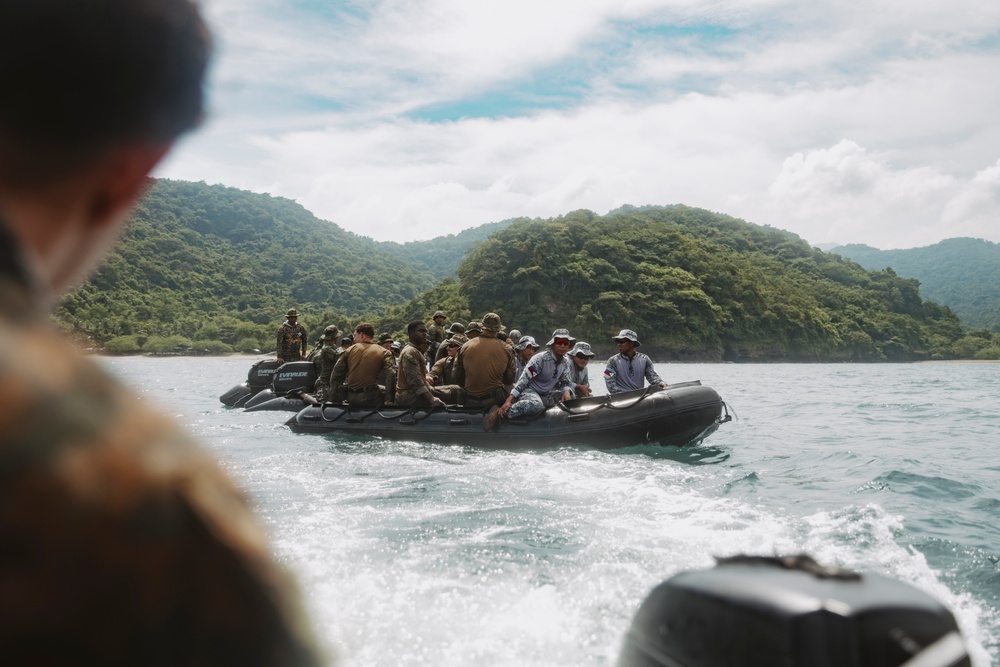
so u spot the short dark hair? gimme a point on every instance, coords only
(80, 77)
(366, 329)
(413, 326)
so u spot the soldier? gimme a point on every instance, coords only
(526, 349)
(444, 371)
(544, 382)
(455, 328)
(485, 367)
(436, 333)
(292, 340)
(580, 356)
(359, 368)
(412, 386)
(627, 370)
(123, 542)
(474, 329)
(326, 360)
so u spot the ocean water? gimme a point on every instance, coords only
(417, 554)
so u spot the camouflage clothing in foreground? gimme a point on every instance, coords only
(327, 359)
(123, 543)
(411, 382)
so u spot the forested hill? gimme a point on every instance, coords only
(210, 268)
(700, 285)
(205, 262)
(963, 273)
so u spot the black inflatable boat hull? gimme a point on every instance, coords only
(681, 414)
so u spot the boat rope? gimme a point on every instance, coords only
(322, 412)
(609, 404)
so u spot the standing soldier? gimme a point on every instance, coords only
(292, 340)
(326, 360)
(436, 334)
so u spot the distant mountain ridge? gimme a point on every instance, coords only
(961, 273)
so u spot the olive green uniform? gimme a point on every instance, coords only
(485, 369)
(359, 367)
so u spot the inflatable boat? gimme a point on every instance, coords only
(682, 414)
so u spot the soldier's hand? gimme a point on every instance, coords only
(280, 360)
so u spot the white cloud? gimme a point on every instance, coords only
(842, 123)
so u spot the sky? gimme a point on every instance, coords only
(873, 122)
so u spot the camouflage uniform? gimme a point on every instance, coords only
(325, 361)
(411, 382)
(292, 341)
(436, 334)
(123, 543)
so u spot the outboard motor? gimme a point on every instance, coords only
(261, 374)
(790, 612)
(258, 378)
(294, 376)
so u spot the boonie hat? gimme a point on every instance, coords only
(384, 338)
(331, 332)
(458, 339)
(396, 345)
(456, 327)
(491, 321)
(292, 313)
(626, 334)
(474, 325)
(525, 341)
(561, 333)
(581, 348)
(514, 336)
(437, 314)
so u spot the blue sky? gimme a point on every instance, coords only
(409, 119)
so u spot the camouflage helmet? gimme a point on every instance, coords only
(458, 339)
(474, 325)
(347, 340)
(384, 338)
(331, 332)
(292, 313)
(456, 328)
(437, 314)
(491, 321)
(514, 335)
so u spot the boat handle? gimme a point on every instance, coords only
(459, 422)
(579, 417)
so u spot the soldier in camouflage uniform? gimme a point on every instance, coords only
(436, 333)
(412, 385)
(292, 341)
(326, 360)
(123, 543)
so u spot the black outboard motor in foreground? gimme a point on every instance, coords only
(753, 611)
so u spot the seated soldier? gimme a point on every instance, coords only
(544, 382)
(580, 356)
(485, 367)
(444, 371)
(629, 370)
(525, 350)
(359, 367)
(412, 387)
(442, 351)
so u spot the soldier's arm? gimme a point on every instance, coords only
(339, 371)
(390, 377)
(510, 373)
(651, 375)
(609, 377)
(459, 369)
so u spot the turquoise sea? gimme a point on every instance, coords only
(416, 554)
